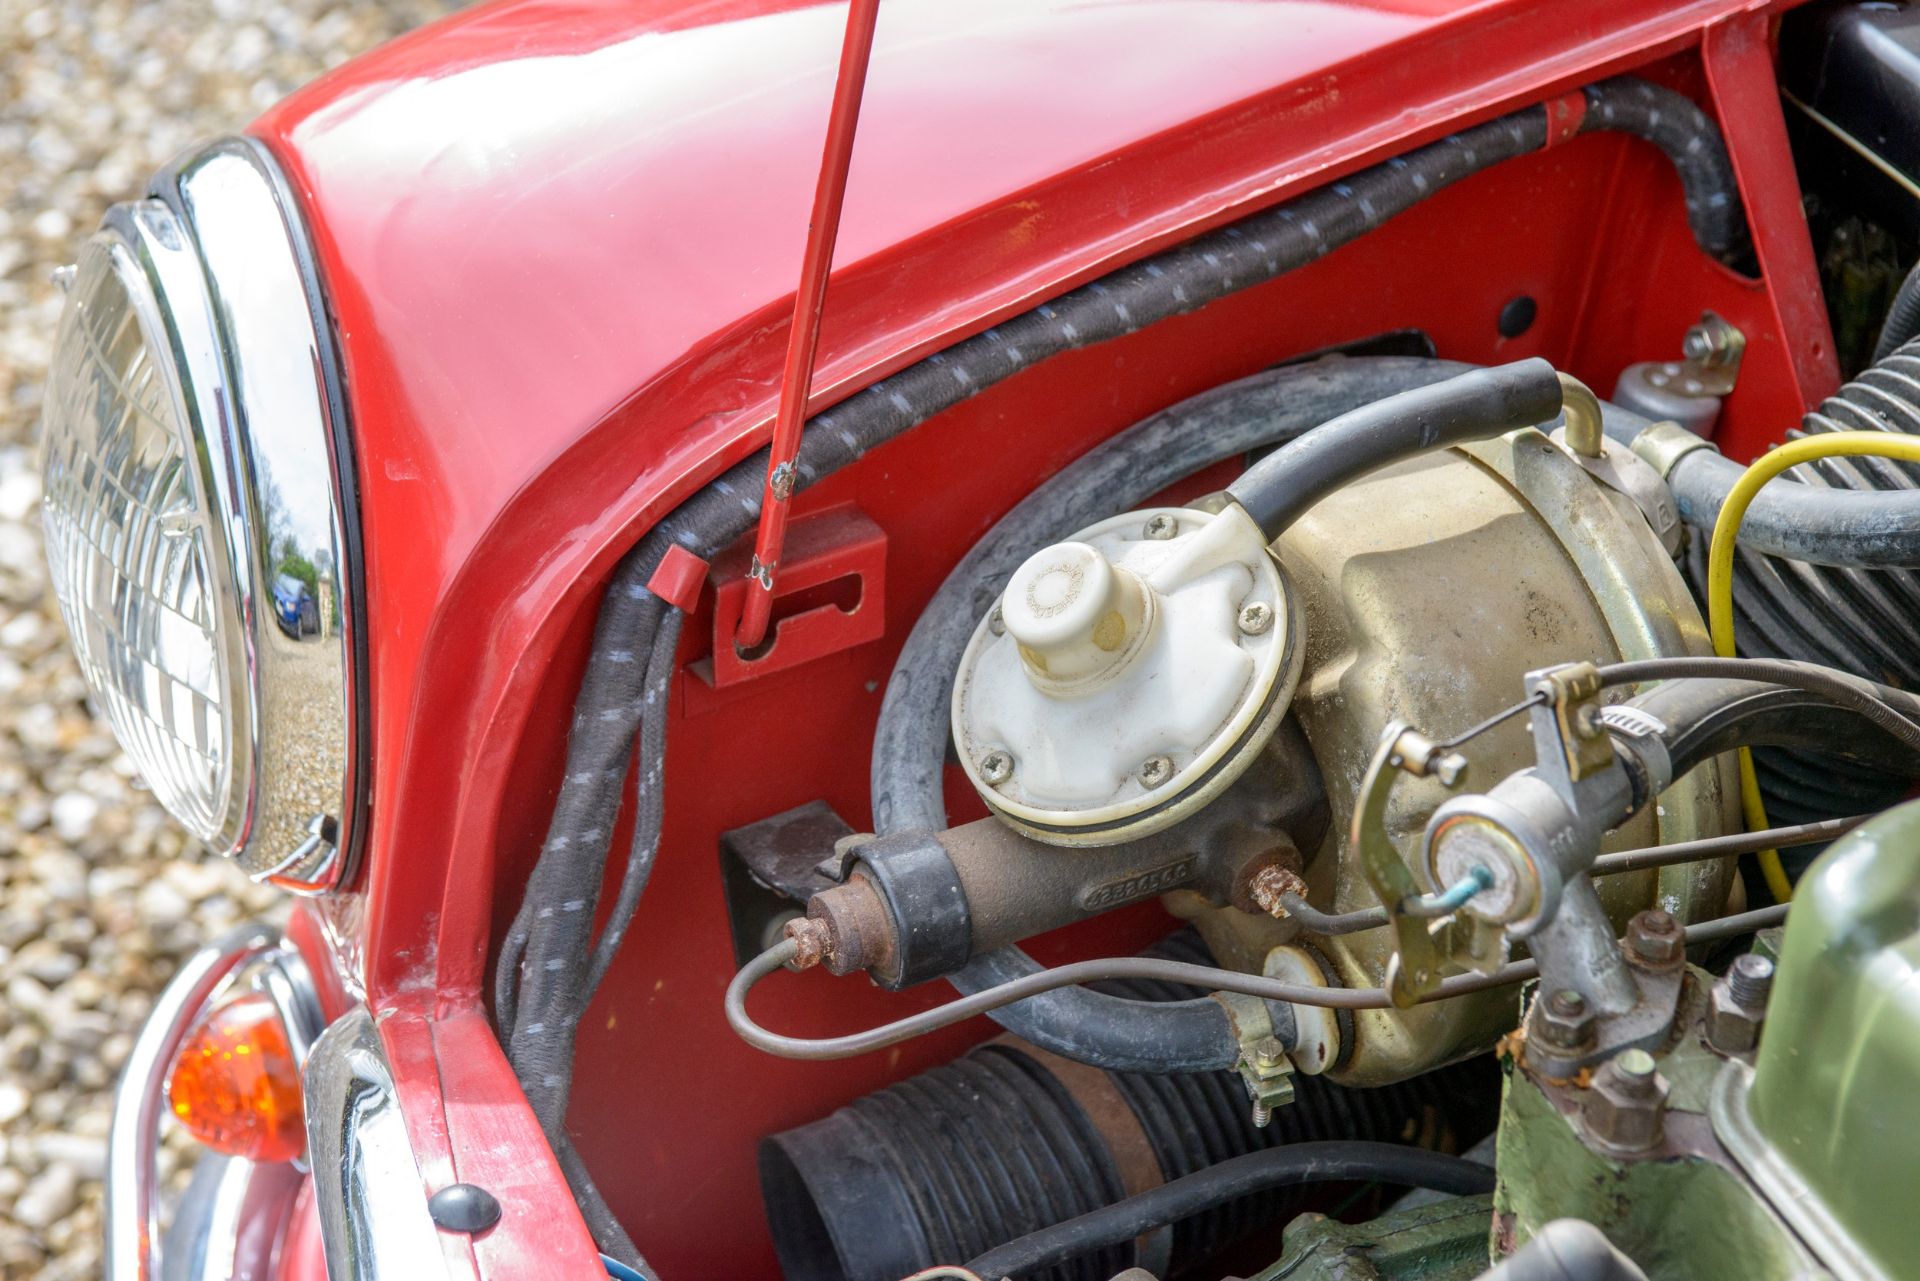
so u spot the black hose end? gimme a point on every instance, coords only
(1524, 393)
(1477, 405)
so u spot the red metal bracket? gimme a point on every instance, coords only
(837, 556)
(796, 383)
(1740, 76)
(678, 578)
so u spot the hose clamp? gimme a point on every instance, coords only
(1665, 444)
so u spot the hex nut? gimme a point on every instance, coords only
(1563, 1021)
(1625, 1108)
(1655, 940)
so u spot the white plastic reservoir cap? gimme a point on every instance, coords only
(1127, 675)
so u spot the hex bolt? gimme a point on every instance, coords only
(1636, 1071)
(996, 767)
(1750, 980)
(1565, 1021)
(1624, 1109)
(1162, 527)
(1156, 770)
(1256, 618)
(1655, 940)
(997, 622)
(1737, 1005)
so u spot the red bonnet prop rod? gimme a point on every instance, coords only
(797, 379)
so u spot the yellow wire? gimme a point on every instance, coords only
(1720, 583)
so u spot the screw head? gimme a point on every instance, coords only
(1256, 618)
(997, 622)
(1156, 770)
(1162, 527)
(1587, 722)
(996, 767)
(1267, 1052)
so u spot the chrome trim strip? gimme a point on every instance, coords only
(265, 401)
(133, 1142)
(367, 1186)
(229, 1222)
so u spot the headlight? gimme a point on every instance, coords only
(196, 467)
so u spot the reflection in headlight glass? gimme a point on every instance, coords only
(128, 546)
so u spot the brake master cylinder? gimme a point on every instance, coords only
(1128, 675)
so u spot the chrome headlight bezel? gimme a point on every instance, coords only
(226, 291)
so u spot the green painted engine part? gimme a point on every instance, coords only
(1441, 1241)
(1836, 1087)
(1679, 1214)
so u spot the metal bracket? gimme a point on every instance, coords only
(822, 548)
(1573, 694)
(1422, 943)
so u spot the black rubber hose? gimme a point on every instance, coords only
(1868, 529)
(1241, 1176)
(1478, 405)
(1902, 325)
(1889, 710)
(1703, 718)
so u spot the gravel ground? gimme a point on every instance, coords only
(100, 896)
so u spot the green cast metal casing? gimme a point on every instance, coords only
(1836, 1088)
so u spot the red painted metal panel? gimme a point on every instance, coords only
(1738, 55)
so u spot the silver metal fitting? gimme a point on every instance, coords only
(1156, 770)
(1268, 1075)
(1626, 1108)
(1162, 527)
(997, 622)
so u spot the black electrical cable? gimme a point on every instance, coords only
(550, 935)
(1477, 405)
(1346, 1161)
(1133, 967)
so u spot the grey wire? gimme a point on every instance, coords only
(1133, 967)
(1372, 918)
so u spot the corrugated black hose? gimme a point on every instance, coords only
(547, 969)
(1802, 590)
